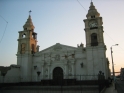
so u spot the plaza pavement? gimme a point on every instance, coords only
(111, 89)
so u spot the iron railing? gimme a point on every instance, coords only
(67, 84)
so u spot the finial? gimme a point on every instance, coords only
(91, 3)
(30, 12)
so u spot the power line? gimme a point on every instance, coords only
(113, 40)
(4, 32)
(4, 29)
(3, 19)
(110, 37)
(81, 5)
(105, 32)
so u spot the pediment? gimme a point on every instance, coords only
(58, 48)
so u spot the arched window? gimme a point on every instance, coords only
(94, 41)
(34, 35)
(23, 48)
(32, 48)
(23, 35)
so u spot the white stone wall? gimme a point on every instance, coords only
(93, 59)
(13, 75)
(26, 70)
(86, 63)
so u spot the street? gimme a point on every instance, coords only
(120, 86)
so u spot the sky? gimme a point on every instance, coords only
(60, 21)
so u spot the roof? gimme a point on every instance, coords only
(58, 47)
(4, 70)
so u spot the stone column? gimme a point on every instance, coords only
(42, 75)
(72, 66)
(65, 69)
(48, 71)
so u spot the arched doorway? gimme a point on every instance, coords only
(58, 75)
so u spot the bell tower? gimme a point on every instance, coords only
(95, 47)
(27, 41)
(93, 27)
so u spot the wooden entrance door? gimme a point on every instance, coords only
(58, 75)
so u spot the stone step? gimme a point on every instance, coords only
(51, 88)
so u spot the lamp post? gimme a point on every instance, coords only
(112, 60)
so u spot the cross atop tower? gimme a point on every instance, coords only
(30, 12)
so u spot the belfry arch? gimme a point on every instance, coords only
(94, 40)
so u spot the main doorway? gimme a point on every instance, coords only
(58, 75)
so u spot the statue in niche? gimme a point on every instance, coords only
(70, 71)
(57, 58)
(46, 73)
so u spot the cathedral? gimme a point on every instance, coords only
(60, 61)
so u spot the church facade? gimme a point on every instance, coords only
(60, 61)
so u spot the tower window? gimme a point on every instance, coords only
(94, 41)
(34, 35)
(24, 35)
(25, 28)
(32, 48)
(93, 16)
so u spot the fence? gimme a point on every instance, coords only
(12, 79)
(67, 84)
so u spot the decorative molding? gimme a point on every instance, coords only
(57, 47)
(57, 57)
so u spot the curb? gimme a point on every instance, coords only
(103, 90)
